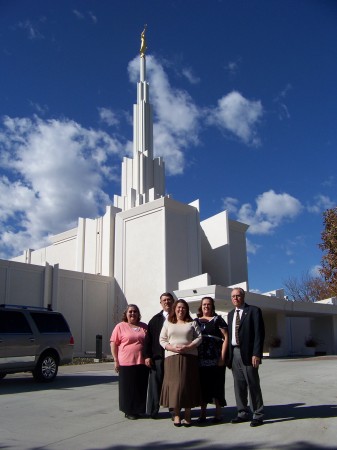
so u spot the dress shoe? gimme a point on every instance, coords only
(201, 419)
(217, 419)
(256, 423)
(239, 419)
(131, 416)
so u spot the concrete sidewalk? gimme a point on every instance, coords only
(79, 411)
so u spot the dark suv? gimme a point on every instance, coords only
(33, 339)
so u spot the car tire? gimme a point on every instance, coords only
(2, 375)
(46, 368)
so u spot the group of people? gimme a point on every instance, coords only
(180, 363)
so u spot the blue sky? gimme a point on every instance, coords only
(244, 96)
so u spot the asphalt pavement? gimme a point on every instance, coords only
(79, 411)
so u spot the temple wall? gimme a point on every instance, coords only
(157, 245)
(85, 300)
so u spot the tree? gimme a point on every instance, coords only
(329, 246)
(308, 288)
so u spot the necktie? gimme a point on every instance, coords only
(237, 324)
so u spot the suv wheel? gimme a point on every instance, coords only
(46, 368)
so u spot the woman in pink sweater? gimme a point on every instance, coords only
(127, 342)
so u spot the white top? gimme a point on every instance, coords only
(180, 334)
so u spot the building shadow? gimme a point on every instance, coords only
(206, 444)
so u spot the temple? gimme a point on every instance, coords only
(148, 243)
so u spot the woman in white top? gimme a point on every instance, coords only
(180, 337)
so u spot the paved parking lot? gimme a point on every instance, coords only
(79, 411)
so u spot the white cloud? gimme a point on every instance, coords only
(271, 211)
(176, 116)
(283, 112)
(31, 29)
(320, 204)
(233, 66)
(315, 271)
(92, 17)
(78, 14)
(251, 247)
(239, 116)
(81, 16)
(56, 173)
(108, 116)
(190, 76)
(230, 204)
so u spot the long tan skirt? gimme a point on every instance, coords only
(181, 385)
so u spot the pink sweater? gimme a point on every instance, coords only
(129, 343)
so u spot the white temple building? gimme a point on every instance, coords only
(148, 243)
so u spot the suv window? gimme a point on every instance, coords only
(13, 322)
(49, 322)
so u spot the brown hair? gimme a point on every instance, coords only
(167, 294)
(131, 305)
(172, 317)
(200, 313)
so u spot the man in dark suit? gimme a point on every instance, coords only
(246, 336)
(154, 355)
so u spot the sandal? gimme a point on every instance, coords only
(185, 423)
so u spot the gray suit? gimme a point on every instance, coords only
(246, 377)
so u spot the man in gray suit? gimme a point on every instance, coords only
(246, 336)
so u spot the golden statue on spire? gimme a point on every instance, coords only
(143, 43)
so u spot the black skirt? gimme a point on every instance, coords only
(212, 380)
(133, 388)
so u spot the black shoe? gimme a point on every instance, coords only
(217, 419)
(239, 419)
(131, 416)
(256, 423)
(201, 419)
(154, 416)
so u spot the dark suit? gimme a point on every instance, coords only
(246, 377)
(152, 349)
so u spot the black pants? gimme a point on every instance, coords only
(132, 389)
(154, 387)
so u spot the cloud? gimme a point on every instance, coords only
(108, 116)
(329, 182)
(239, 116)
(78, 14)
(176, 116)
(321, 203)
(315, 271)
(31, 29)
(92, 17)
(233, 66)
(283, 112)
(190, 76)
(251, 247)
(230, 204)
(54, 172)
(271, 211)
(81, 16)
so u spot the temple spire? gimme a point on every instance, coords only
(143, 177)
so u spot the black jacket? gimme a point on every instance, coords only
(251, 334)
(152, 348)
